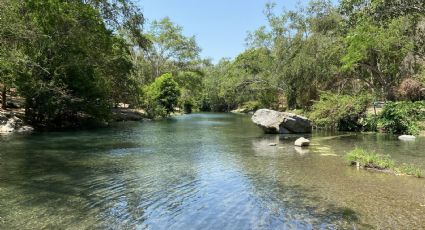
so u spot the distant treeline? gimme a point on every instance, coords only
(73, 61)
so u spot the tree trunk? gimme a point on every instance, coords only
(3, 97)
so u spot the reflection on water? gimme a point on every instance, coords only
(203, 171)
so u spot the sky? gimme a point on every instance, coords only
(220, 26)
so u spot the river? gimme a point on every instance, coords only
(203, 171)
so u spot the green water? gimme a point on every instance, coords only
(203, 171)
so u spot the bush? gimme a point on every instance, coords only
(187, 106)
(251, 105)
(402, 117)
(370, 123)
(410, 89)
(161, 96)
(342, 112)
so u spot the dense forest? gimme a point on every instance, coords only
(74, 61)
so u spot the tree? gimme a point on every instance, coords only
(305, 46)
(161, 97)
(14, 33)
(170, 50)
(76, 65)
(378, 53)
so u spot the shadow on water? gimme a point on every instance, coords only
(80, 183)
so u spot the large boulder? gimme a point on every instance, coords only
(281, 122)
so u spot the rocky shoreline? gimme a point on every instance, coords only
(11, 122)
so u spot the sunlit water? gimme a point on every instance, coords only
(203, 171)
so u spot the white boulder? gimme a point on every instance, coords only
(302, 142)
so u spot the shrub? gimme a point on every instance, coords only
(370, 123)
(410, 89)
(402, 117)
(161, 96)
(369, 159)
(251, 105)
(187, 106)
(342, 112)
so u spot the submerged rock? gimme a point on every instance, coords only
(301, 151)
(280, 122)
(122, 114)
(302, 142)
(407, 138)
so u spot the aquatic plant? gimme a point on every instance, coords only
(409, 169)
(372, 160)
(369, 159)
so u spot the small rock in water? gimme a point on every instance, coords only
(272, 144)
(407, 138)
(301, 142)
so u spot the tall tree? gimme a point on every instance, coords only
(78, 64)
(169, 49)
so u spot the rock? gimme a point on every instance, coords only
(240, 110)
(12, 105)
(122, 114)
(272, 144)
(10, 123)
(407, 138)
(301, 142)
(25, 129)
(280, 122)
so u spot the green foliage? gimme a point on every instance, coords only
(378, 52)
(370, 123)
(252, 105)
(67, 58)
(190, 84)
(402, 117)
(409, 169)
(161, 96)
(306, 50)
(369, 159)
(342, 112)
(372, 160)
(231, 84)
(169, 52)
(74, 60)
(73, 83)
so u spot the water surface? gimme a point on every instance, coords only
(203, 171)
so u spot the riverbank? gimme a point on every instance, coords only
(12, 120)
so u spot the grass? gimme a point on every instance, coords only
(369, 159)
(409, 169)
(372, 160)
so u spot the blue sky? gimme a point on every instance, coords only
(220, 26)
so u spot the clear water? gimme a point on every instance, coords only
(203, 171)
